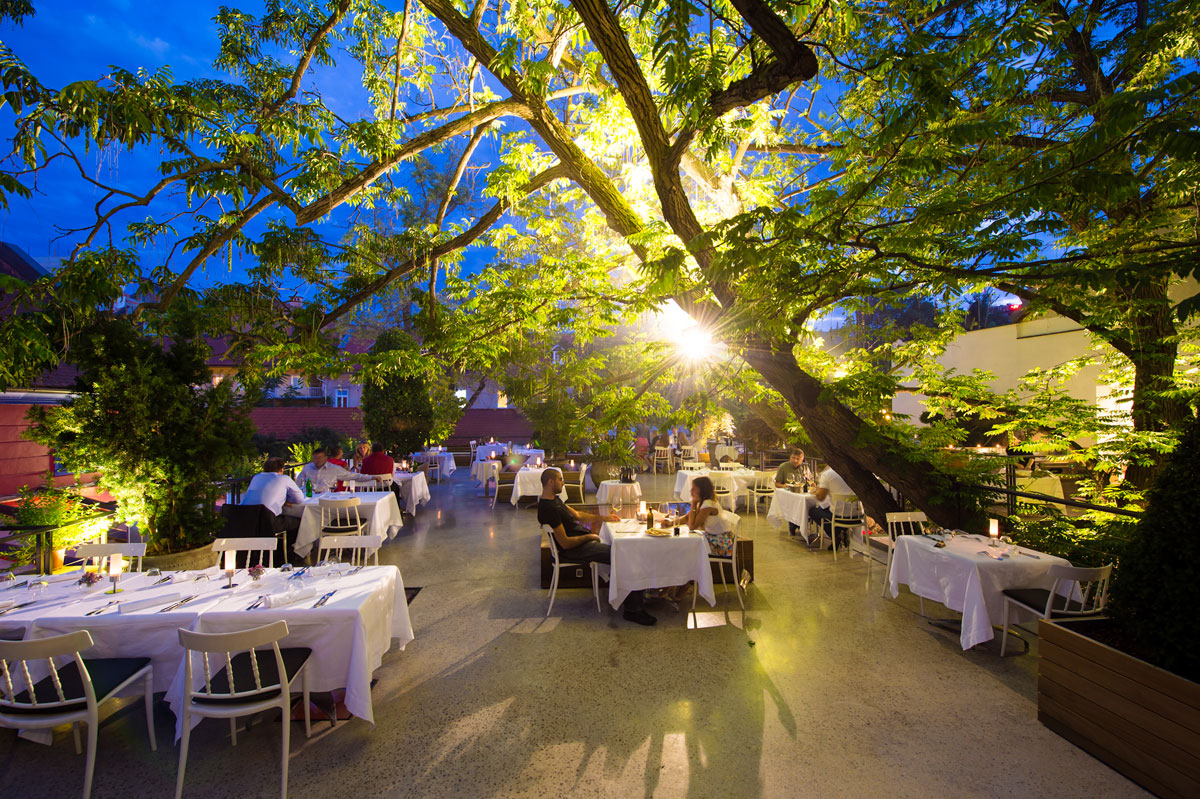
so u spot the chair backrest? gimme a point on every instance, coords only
(687, 453)
(262, 546)
(230, 644)
(662, 453)
(360, 547)
(340, 515)
(764, 482)
(729, 466)
(548, 531)
(15, 676)
(846, 508)
(722, 482)
(1088, 587)
(506, 478)
(905, 523)
(382, 481)
(100, 553)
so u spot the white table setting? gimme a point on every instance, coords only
(742, 479)
(528, 483)
(378, 508)
(790, 506)
(484, 451)
(414, 489)
(444, 460)
(640, 560)
(611, 492)
(720, 451)
(485, 471)
(968, 575)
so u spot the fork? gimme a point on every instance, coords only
(102, 608)
(325, 598)
(183, 601)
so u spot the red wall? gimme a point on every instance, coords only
(22, 462)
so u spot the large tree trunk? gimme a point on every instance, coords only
(862, 458)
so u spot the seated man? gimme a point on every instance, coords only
(378, 462)
(576, 542)
(792, 473)
(325, 475)
(830, 486)
(274, 490)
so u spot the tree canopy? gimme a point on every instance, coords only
(760, 163)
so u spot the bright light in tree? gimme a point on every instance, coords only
(695, 344)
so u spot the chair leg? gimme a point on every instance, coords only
(233, 731)
(93, 724)
(833, 535)
(183, 752)
(553, 589)
(1004, 632)
(78, 743)
(887, 570)
(287, 739)
(149, 700)
(596, 586)
(308, 705)
(922, 606)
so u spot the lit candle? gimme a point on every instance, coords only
(230, 560)
(994, 530)
(642, 509)
(572, 464)
(116, 564)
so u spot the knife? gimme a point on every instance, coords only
(257, 602)
(325, 598)
(102, 608)
(166, 579)
(16, 607)
(183, 601)
(17, 585)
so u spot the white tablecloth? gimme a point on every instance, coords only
(608, 490)
(720, 451)
(349, 635)
(483, 450)
(790, 506)
(482, 471)
(962, 579)
(641, 561)
(379, 508)
(445, 461)
(529, 484)
(742, 479)
(414, 489)
(530, 452)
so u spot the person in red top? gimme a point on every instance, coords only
(335, 457)
(378, 462)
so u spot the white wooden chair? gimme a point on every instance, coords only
(663, 455)
(380, 482)
(265, 547)
(561, 562)
(341, 517)
(1086, 594)
(98, 555)
(71, 692)
(248, 681)
(691, 466)
(506, 482)
(474, 448)
(900, 523)
(688, 453)
(434, 462)
(725, 488)
(847, 515)
(729, 466)
(733, 520)
(360, 547)
(763, 487)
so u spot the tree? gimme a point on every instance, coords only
(149, 419)
(396, 407)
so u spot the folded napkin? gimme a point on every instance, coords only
(5, 604)
(58, 578)
(278, 599)
(130, 605)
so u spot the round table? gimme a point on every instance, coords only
(626, 493)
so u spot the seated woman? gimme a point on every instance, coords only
(641, 449)
(705, 517)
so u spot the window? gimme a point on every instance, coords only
(341, 398)
(297, 381)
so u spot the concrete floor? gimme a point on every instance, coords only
(821, 688)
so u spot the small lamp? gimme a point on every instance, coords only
(230, 567)
(116, 564)
(993, 532)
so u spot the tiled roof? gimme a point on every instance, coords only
(285, 422)
(505, 424)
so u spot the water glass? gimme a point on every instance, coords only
(7, 580)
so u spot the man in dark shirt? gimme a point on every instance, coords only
(792, 472)
(576, 542)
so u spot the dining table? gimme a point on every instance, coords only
(528, 483)
(378, 508)
(790, 506)
(639, 560)
(610, 491)
(414, 489)
(485, 471)
(444, 461)
(741, 479)
(484, 451)
(349, 634)
(969, 576)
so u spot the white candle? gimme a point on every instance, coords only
(230, 560)
(642, 508)
(115, 564)
(994, 528)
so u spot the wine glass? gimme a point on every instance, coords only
(7, 580)
(37, 588)
(615, 504)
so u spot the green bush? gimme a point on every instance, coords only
(396, 408)
(54, 507)
(1160, 570)
(149, 419)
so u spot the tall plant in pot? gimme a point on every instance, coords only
(149, 419)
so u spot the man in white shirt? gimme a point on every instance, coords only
(274, 490)
(830, 486)
(325, 475)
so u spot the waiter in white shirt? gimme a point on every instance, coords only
(830, 486)
(274, 490)
(325, 475)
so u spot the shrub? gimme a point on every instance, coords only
(1159, 572)
(396, 408)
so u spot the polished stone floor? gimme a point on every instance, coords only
(822, 688)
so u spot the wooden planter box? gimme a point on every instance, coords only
(1140, 720)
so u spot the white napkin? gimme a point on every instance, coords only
(5, 604)
(58, 578)
(280, 598)
(130, 605)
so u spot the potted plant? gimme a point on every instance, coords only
(55, 507)
(1126, 688)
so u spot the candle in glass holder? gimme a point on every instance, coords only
(230, 560)
(994, 531)
(642, 510)
(116, 565)
(572, 464)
